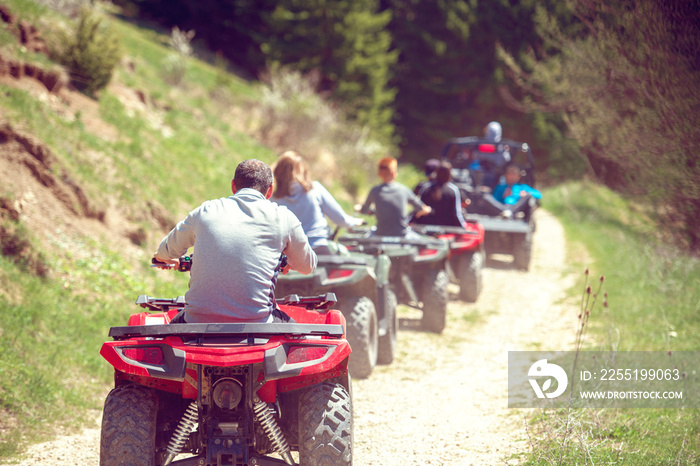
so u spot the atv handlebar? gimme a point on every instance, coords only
(160, 304)
(358, 209)
(337, 228)
(185, 264)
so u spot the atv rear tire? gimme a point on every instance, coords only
(434, 297)
(129, 427)
(361, 317)
(522, 251)
(470, 282)
(325, 426)
(387, 342)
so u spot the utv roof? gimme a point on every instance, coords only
(475, 141)
(461, 152)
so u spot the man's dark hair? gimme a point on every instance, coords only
(253, 174)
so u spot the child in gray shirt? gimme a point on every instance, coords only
(390, 200)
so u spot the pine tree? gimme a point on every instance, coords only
(431, 78)
(448, 77)
(346, 43)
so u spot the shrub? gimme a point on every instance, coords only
(293, 115)
(175, 64)
(90, 52)
(66, 7)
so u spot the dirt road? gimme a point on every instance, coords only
(444, 399)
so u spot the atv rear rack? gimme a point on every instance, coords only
(441, 229)
(341, 260)
(394, 240)
(496, 224)
(226, 329)
(322, 302)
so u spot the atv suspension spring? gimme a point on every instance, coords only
(186, 425)
(266, 418)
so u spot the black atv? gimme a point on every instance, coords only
(361, 284)
(418, 271)
(477, 166)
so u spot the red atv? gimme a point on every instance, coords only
(467, 255)
(224, 394)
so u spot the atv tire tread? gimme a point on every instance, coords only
(129, 427)
(361, 317)
(522, 252)
(325, 426)
(470, 277)
(435, 296)
(388, 342)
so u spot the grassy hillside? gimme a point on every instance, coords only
(654, 289)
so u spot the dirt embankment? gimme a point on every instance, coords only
(28, 36)
(444, 399)
(38, 189)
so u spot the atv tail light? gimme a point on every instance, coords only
(297, 354)
(427, 252)
(487, 148)
(145, 355)
(338, 273)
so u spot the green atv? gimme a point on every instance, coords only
(361, 285)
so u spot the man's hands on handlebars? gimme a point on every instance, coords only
(164, 263)
(284, 266)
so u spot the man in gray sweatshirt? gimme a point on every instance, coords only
(237, 243)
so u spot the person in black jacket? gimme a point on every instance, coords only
(444, 199)
(430, 170)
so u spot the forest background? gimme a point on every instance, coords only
(607, 90)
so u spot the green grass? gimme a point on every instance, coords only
(51, 372)
(654, 305)
(653, 289)
(629, 437)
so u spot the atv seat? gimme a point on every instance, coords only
(442, 230)
(341, 260)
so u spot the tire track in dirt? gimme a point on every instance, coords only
(444, 399)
